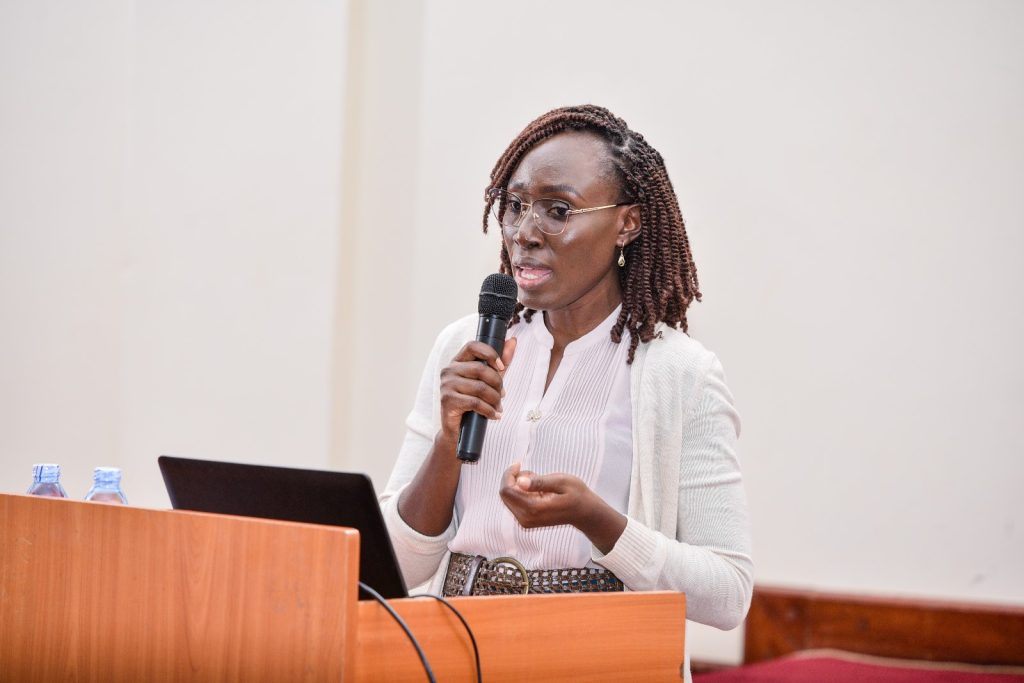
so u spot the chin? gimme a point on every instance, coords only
(534, 302)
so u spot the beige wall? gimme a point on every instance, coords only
(211, 220)
(169, 215)
(850, 175)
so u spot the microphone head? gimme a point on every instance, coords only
(498, 296)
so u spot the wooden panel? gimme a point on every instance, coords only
(108, 593)
(785, 621)
(592, 637)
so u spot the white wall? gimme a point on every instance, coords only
(168, 234)
(209, 226)
(376, 356)
(850, 174)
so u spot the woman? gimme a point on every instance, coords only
(605, 464)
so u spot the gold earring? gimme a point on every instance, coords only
(622, 257)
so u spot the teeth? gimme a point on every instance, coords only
(532, 273)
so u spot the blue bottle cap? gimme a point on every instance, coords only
(47, 472)
(109, 477)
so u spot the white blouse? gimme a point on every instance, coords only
(582, 425)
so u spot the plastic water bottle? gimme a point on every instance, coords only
(106, 486)
(46, 481)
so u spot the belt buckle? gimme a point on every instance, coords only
(474, 567)
(518, 565)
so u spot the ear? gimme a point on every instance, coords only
(630, 227)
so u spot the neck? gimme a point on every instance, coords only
(568, 324)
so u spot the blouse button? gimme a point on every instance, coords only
(533, 415)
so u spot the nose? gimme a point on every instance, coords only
(529, 234)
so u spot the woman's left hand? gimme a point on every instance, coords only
(553, 499)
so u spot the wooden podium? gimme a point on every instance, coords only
(96, 592)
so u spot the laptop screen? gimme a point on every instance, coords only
(295, 495)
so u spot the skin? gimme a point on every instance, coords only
(577, 287)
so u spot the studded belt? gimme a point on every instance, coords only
(474, 575)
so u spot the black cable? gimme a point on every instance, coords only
(384, 603)
(472, 639)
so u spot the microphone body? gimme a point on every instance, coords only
(491, 331)
(497, 300)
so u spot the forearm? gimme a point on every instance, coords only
(600, 523)
(717, 581)
(428, 502)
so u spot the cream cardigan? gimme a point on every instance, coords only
(687, 526)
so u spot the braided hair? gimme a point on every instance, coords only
(659, 280)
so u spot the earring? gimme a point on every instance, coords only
(622, 257)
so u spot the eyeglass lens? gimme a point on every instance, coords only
(550, 215)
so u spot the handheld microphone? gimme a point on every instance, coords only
(498, 296)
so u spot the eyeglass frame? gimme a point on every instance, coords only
(492, 194)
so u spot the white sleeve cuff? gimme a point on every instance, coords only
(637, 557)
(419, 555)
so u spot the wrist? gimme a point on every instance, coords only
(443, 438)
(445, 445)
(600, 523)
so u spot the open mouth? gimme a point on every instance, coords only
(530, 277)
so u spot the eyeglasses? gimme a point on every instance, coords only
(549, 215)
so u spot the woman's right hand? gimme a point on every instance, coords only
(472, 382)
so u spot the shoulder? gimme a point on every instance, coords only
(673, 352)
(462, 329)
(675, 372)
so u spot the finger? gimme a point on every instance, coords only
(510, 495)
(475, 388)
(506, 357)
(477, 350)
(456, 405)
(523, 479)
(474, 370)
(509, 351)
(552, 483)
(508, 478)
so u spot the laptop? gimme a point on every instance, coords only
(294, 495)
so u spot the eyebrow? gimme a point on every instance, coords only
(547, 189)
